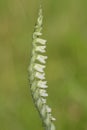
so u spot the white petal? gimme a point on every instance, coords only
(41, 49)
(40, 75)
(52, 118)
(41, 41)
(42, 84)
(39, 67)
(43, 93)
(42, 58)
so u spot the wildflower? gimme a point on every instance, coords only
(43, 93)
(41, 49)
(48, 109)
(40, 76)
(39, 67)
(41, 41)
(42, 84)
(37, 75)
(41, 58)
(43, 100)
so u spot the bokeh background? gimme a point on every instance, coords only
(65, 28)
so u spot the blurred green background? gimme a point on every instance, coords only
(65, 28)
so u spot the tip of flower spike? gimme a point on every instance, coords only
(40, 18)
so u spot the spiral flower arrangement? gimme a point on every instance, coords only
(38, 83)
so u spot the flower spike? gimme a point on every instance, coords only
(38, 84)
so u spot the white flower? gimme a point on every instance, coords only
(48, 109)
(40, 75)
(43, 100)
(39, 67)
(42, 84)
(41, 41)
(43, 93)
(41, 58)
(35, 34)
(41, 49)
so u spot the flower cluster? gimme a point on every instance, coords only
(37, 79)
